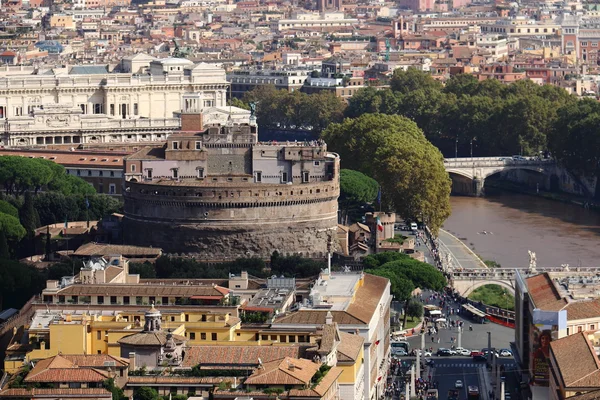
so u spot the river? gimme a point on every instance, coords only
(558, 233)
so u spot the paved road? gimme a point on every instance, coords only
(462, 256)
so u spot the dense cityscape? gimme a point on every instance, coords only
(299, 200)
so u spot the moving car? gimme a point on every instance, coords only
(479, 356)
(453, 394)
(443, 352)
(425, 353)
(462, 351)
(413, 226)
(473, 392)
(505, 353)
(432, 394)
(458, 384)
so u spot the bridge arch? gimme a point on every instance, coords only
(470, 288)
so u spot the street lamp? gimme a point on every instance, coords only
(456, 148)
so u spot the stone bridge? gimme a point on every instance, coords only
(466, 281)
(477, 169)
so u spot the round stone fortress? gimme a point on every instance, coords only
(218, 194)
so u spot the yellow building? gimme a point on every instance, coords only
(98, 332)
(62, 21)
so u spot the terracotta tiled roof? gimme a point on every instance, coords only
(99, 249)
(330, 336)
(577, 361)
(94, 393)
(94, 360)
(583, 309)
(349, 347)
(289, 371)
(367, 297)
(158, 338)
(317, 317)
(140, 290)
(67, 375)
(148, 153)
(144, 380)
(319, 391)
(112, 160)
(111, 272)
(236, 355)
(544, 294)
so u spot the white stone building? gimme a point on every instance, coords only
(88, 104)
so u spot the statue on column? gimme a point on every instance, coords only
(532, 261)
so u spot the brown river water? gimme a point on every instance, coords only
(558, 233)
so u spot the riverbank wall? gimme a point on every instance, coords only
(560, 181)
(519, 187)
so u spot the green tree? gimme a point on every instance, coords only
(461, 84)
(575, 139)
(145, 393)
(145, 270)
(29, 216)
(414, 309)
(117, 392)
(12, 228)
(393, 151)
(235, 102)
(4, 251)
(7, 208)
(356, 189)
(412, 79)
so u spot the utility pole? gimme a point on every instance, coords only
(459, 336)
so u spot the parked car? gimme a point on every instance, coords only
(478, 356)
(443, 352)
(425, 353)
(519, 158)
(399, 352)
(458, 384)
(505, 353)
(414, 227)
(475, 352)
(462, 351)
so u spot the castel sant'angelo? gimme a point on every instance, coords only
(215, 192)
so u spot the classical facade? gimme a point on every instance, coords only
(220, 194)
(89, 105)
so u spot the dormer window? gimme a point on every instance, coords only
(175, 145)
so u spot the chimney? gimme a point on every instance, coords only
(132, 361)
(329, 318)
(191, 122)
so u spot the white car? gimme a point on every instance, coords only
(462, 351)
(458, 384)
(425, 353)
(505, 353)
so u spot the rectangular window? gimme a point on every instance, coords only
(100, 173)
(213, 336)
(594, 44)
(89, 173)
(592, 327)
(198, 145)
(112, 109)
(317, 163)
(579, 329)
(112, 188)
(113, 299)
(98, 108)
(264, 337)
(175, 173)
(165, 300)
(258, 176)
(138, 300)
(100, 300)
(192, 335)
(99, 335)
(305, 176)
(200, 173)
(135, 109)
(209, 103)
(126, 300)
(284, 177)
(203, 336)
(149, 173)
(175, 145)
(18, 111)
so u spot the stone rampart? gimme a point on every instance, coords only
(232, 220)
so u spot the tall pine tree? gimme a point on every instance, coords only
(29, 219)
(4, 252)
